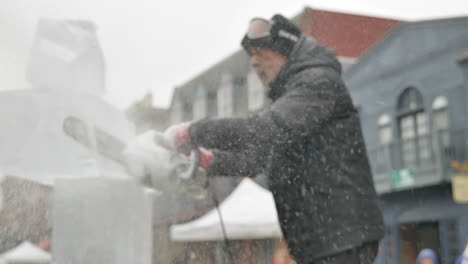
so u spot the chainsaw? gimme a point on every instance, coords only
(176, 172)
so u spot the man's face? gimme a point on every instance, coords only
(267, 63)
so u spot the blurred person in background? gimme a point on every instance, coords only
(463, 259)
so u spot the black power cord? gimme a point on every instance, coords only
(209, 187)
(221, 220)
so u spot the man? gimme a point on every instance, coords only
(309, 144)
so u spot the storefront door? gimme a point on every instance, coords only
(417, 236)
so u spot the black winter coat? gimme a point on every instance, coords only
(310, 145)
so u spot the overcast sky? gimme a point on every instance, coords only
(154, 45)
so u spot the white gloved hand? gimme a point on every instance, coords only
(146, 159)
(177, 138)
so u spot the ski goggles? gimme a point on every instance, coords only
(259, 28)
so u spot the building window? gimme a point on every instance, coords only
(382, 158)
(440, 122)
(256, 91)
(211, 105)
(414, 129)
(385, 129)
(424, 140)
(225, 97)
(176, 112)
(200, 103)
(187, 111)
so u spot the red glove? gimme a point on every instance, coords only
(206, 158)
(177, 138)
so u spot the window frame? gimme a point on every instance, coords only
(200, 108)
(225, 96)
(410, 109)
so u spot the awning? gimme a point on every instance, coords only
(432, 212)
(249, 212)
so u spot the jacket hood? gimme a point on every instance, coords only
(306, 54)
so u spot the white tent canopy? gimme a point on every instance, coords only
(248, 213)
(26, 252)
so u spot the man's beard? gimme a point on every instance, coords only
(262, 75)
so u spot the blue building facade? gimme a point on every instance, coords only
(411, 91)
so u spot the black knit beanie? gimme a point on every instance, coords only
(284, 34)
